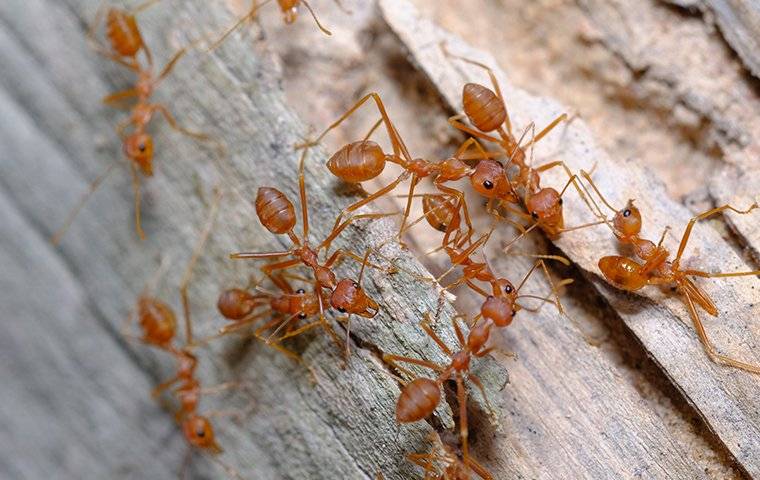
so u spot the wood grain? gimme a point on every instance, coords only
(83, 390)
(722, 396)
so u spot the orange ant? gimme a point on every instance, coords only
(277, 214)
(420, 397)
(365, 160)
(442, 463)
(289, 9)
(487, 112)
(158, 324)
(628, 274)
(125, 38)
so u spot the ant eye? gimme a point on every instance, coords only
(488, 184)
(560, 200)
(534, 215)
(444, 226)
(300, 290)
(302, 315)
(356, 285)
(490, 297)
(200, 432)
(508, 289)
(627, 212)
(141, 147)
(341, 310)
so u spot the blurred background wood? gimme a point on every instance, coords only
(605, 412)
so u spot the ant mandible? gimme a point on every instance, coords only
(628, 274)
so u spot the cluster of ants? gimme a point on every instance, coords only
(503, 175)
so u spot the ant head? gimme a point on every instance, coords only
(545, 206)
(349, 297)
(200, 433)
(628, 220)
(499, 310)
(235, 304)
(289, 10)
(504, 288)
(157, 321)
(461, 361)
(138, 147)
(490, 180)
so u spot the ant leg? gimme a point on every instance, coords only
(457, 330)
(173, 123)
(425, 324)
(193, 259)
(314, 16)
(156, 392)
(455, 122)
(399, 148)
(340, 254)
(476, 381)
(260, 255)
(338, 227)
(711, 352)
(546, 130)
(117, 97)
(463, 429)
(702, 216)
(245, 18)
(56, 238)
(240, 324)
(136, 188)
(598, 213)
(170, 65)
(542, 264)
(392, 359)
(461, 204)
(573, 179)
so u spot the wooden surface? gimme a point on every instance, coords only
(722, 396)
(78, 403)
(570, 410)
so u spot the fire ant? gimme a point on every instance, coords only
(487, 112)
(365, 160)
(420, 397)
(159, 328)
(126, 42)
(289, 9)
(276, 212)
(628, 274)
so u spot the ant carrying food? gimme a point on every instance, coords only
(420, 397)
(137, 145)
(627, 274)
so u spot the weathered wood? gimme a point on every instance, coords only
(739, 22)
(101, 423)
(722, 396)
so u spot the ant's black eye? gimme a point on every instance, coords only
(341, 310)
(488, 184)
(302, 315)
(534, 215)
(560, 200)
(200, 432)
(141, 147)
(300, 290)
(627, 212)
(490, 297)
(508, 289)
(356, 285)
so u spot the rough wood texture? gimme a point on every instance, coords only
(739, 22)
(77, 401)
(723, 397)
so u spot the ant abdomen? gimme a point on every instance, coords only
(357, 162)
(484, 109)
(274, 210)
(157, 320)
(123, 33)
(418, 399)
(440, 211)
(622, 272)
